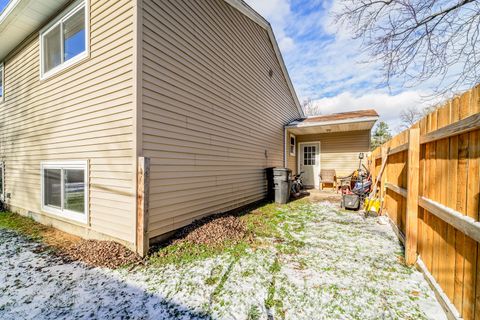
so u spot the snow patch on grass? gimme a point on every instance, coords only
(319, 263)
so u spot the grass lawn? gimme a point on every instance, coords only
(298, 261)
(23, 225)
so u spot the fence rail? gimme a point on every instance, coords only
(431, 190)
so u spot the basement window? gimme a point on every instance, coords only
(64, 41)
(65, 189)
(293, 144)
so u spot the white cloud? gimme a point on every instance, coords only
(327, 66)
(286, 44)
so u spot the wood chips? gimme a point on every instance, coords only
(213, 231)
(96, 253)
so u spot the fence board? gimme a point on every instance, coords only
(451, 203)
(449, 175)
(411, 233)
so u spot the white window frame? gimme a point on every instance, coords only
(294, 145)
(2, 67)
(71, 10)
(71, 215)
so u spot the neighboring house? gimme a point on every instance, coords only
(127, 119)
(329, 142)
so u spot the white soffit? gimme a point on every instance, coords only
(332, 126)
(23, 17)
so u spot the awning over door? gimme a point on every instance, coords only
(337, 122)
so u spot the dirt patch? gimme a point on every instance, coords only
(213, 231)
(320, 196)
(58, 239)
(69, 247)
(106, 254)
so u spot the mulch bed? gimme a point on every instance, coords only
(96, 253)
(212, 231)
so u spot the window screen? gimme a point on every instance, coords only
(52, 187)
(74, 190)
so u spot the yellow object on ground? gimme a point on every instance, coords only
(372, 205)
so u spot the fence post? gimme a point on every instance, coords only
(143, 182)
(383, 178)
(413, 167)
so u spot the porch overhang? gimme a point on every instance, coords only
(339, 122)
(20, 18)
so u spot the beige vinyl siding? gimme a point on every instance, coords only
(339, 150)
(82, 113)
(212, 116)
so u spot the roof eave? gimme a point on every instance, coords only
(21, 18)
(297, 124)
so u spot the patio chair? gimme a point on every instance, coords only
(328, 176)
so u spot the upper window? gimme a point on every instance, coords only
(65, 189)
(2, 80)
(292, 145)
(64, 41)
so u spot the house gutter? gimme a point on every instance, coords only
(10, 6)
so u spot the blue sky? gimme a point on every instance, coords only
(3, 4)
(327, 66)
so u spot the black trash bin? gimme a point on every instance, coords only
(281, 180)
(270, 184)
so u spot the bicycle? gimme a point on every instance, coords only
(297, 184)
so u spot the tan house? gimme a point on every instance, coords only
(331, 141)
(94, 92)
(128, 119)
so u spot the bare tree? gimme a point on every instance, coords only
(418, 40)
(409, 117)
(310, 108)
(429, 109)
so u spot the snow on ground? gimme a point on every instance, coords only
(328, 264)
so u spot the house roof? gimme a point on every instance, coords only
(336, 122)
(343, 116)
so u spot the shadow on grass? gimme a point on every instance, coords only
(38, 285)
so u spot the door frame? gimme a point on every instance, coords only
(300, 156)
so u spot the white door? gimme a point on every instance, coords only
(309, 162)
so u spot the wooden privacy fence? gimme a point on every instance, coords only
(430, 188)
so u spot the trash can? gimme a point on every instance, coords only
(270, 184)
(281, 181)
